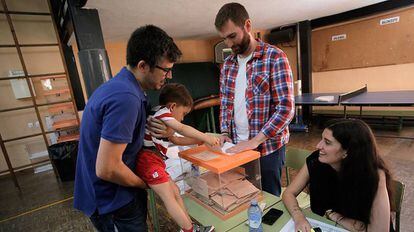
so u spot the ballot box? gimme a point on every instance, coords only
(223, 183)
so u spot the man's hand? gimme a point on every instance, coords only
(158, 129)
(224, 138)
(248, 145)
(243, 146)
(110, 167)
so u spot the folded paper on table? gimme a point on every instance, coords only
(324, 98)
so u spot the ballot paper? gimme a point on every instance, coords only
(226, 146)
(290, 226)
(324, 98)
(242, 188)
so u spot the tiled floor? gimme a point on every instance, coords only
(45, 204)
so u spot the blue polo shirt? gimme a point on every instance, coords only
(116, 111)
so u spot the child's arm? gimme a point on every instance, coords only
(183, 141)
(167, 195)
(190, 132)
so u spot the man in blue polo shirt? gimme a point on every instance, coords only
(112, 132)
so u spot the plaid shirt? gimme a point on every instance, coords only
(269, 96)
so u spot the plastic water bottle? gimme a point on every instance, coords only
(254, 215)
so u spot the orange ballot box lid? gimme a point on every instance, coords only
(216, 161)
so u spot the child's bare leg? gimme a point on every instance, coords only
(174, 208)
(179, 199)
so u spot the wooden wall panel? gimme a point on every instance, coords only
(367, 44)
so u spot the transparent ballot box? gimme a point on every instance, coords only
(223, 183)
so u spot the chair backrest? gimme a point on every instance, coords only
(295, 159)
(398, 197)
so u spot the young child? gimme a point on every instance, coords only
(175, 102)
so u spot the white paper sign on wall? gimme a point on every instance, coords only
(338, 37)
(389, 20)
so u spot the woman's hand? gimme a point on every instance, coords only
(302, 225)
(291, 203)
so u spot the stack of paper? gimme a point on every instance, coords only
(226, 191)
(324, 98)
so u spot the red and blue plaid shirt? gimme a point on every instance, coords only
(269, 96)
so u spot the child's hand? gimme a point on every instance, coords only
(213, 143)
(213, 140)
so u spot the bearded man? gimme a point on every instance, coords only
(256, 94)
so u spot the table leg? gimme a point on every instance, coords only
(345, 112)
(153, 210)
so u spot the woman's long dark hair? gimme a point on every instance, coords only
(358, 176)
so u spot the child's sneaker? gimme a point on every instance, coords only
(198, 228)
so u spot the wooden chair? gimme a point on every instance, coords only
(398, 197)
(208, 102)
(295, 159)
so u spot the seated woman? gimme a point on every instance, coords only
(348, 180)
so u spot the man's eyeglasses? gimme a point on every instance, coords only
(166, 70)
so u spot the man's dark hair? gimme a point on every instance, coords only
(233, 11)
(175, 92)
(150, 43)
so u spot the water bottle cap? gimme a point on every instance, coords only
(254, 202)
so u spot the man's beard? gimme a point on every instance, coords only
(243, 46)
